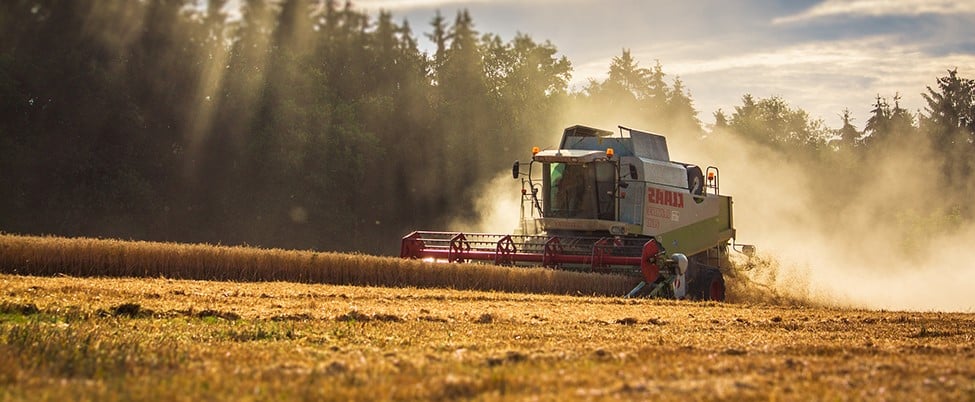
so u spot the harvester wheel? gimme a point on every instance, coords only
(707, 285)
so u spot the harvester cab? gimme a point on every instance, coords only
(609, 202)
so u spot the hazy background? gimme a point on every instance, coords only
(845, 133)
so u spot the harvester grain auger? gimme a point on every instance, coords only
(608, 203)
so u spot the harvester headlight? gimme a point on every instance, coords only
(681, 262)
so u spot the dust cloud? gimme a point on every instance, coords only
(500, 204)
(881, 247)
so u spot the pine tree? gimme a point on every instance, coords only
(902, 123)
(627, 78)
(950, 122)
(681, 117)
(878, 125)
(849, 136)
(439, 39)
(720, 119)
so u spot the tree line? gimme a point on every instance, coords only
(311, 124)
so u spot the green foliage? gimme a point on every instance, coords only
(18, 313)
(295, 126)
(774, 123)
(950, 123)
(888, 124)
(638, 97)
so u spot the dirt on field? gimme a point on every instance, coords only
(110, 339)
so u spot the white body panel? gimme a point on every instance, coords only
(667, 209)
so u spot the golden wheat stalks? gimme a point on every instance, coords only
(86, 257)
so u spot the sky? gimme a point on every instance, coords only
(821, 56)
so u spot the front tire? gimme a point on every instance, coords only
(708, 284)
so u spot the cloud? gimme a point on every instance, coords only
(826, 76)
(821, 77)
(878, 8)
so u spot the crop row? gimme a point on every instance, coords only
(86, 257)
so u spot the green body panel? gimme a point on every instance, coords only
(700, 236)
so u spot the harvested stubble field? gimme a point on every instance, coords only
(66, 337)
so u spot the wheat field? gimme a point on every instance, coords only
(125, 337)
(131, 338)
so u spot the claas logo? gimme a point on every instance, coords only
(665, 197)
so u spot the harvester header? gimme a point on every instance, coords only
(611, 202)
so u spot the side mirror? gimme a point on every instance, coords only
(748, 250)
(515, 169)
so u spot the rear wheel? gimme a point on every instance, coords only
(708, 284)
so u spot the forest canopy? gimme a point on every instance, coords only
(307, 124)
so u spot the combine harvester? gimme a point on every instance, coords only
(608, 203)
